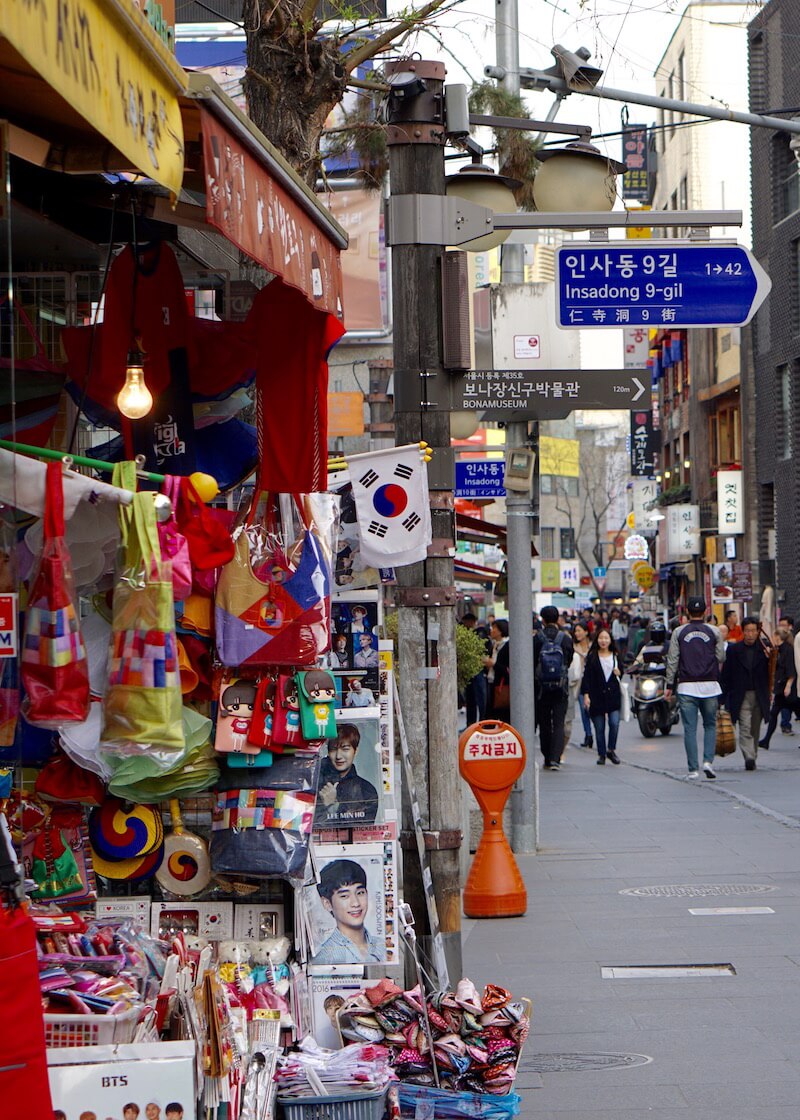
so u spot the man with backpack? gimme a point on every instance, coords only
(552, 654)
(696, 654)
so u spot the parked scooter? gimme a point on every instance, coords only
(652, 709)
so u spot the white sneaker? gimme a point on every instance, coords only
(693, 774)
(708, 770)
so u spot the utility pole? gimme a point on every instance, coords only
(519, 514)
(426, 594)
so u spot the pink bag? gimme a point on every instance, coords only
(174, 545)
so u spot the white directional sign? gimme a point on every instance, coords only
(514, 394)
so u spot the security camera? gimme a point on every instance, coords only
(794, 146)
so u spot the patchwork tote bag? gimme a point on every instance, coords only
(279, 621)
(143, 704)
(54, 667)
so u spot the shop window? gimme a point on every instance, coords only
(785, 177)
(567, 544)
(725, 436)
(680, 78)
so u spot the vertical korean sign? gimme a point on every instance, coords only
(644, 491)
(636, 341)
(730, 502)
(644, 445)
(683, 531)
(635, 156)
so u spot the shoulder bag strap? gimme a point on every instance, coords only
(54, 501)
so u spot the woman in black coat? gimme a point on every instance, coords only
(602, 695)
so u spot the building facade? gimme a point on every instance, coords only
(775, 82)
(702, 374)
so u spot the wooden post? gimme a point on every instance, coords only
(426, 641)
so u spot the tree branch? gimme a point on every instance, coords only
(307, 12)
(355, 57)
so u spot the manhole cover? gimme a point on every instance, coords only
(558, 1063)
(697, 890)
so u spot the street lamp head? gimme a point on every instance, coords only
(464, 424)
(478, 183)
(576, 178)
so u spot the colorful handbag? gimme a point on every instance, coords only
(317, 694)
(63, 780)
(54, 668)
(174, 546)
(280, 621)
(262, 818)
(286, 717)
(210, 544)
(143, 703)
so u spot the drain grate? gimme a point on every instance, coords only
(562, 1063)
(697, 890)
(664, 971)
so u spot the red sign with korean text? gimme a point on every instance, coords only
(252, 210)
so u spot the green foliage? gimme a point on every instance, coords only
(516, 150)
(470, 652)
(674, 494)
(470, 649)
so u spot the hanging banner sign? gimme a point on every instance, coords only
(247, 205)
(636, 157)
(683, 531)
(730, 502)
(644, 491)
(644, 445)
(106, 60)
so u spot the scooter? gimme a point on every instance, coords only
(653, 711)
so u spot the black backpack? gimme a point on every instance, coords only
(698, 653)
(552, 665)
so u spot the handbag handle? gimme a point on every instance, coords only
(143, 541)
(124, 476)
(54, 501)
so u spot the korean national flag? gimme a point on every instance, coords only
(390, 488)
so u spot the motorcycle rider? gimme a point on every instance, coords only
(654, 648)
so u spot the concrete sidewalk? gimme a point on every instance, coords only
(721, 1047)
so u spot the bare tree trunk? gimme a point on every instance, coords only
(294, 79)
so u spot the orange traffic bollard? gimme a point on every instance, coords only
(491, 756)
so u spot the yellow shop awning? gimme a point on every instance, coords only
(93, 83)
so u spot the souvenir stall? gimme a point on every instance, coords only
(198, 795)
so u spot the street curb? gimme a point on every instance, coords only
(747, 802)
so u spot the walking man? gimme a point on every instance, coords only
(552, 653)
(745, 688)
(695, 657)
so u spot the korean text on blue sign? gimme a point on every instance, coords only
(655, 285)
(480, 478)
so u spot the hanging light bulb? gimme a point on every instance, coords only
(134, 399)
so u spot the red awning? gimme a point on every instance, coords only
(260, 204)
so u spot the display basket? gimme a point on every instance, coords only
(337, 1106)
(444, 1104)
(90, 1030)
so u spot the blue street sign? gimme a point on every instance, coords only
(480, 478)
(599, 573)
(658, 284)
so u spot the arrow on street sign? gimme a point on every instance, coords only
(521, 394)
(658, 284)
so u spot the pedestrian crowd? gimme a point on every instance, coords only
(580, 659)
